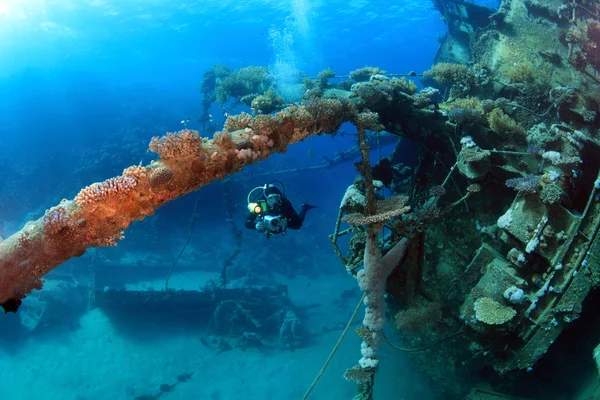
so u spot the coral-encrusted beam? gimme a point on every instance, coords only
(100, 212)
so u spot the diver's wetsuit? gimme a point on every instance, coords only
(285, 210)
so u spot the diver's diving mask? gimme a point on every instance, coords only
(268, 201)
(274, 200)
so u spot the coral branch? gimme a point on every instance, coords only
(102, 211)
(372, 278)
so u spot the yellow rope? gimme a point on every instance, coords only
(337, 345)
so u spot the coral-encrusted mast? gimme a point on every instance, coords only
(100, 212)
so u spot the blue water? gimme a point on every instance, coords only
(84, 86)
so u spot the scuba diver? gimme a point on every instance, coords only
(271, 212)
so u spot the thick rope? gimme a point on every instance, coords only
(335, 348)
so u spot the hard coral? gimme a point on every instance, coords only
(160, 176)
(182, 144)
(365, 73)
(448, 74)
(551, 193)
(323, 78)
(587, 42)
(96, 193)
(491, 312)
(368, 120)
(381, 93)
(465, 102)
(55, 220)
(415, 319)
(426, 97)
(527, 184)
(330, 113)
(136, 172)
(386, 209)
(466, 116)
(521, 72)
(267, 103)
(243, 82)
(592, 46)
(503, 124)
(236, 122)
(218, 71)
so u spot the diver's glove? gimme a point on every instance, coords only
(260, 226)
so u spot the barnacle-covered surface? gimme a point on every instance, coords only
(504, 209)
(501, 213)
(504, 260)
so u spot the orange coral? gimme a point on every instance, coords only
(102, 191)
(238, 122)
(386, 210)
(182, 144)
(100, 212)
